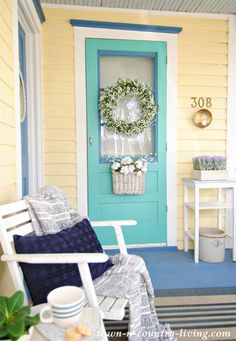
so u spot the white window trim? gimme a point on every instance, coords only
(80, 34)
(231, 101)
(231, 120)
(26, 15)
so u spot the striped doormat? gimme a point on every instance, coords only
(190, 318)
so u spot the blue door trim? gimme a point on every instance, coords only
(39, 10)
(125, 26)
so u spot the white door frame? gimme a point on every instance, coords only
(26, 15)
(80, 34)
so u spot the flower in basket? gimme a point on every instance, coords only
(128, 165)
(209, 162)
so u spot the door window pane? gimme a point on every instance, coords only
(111, 69)
(114, 67)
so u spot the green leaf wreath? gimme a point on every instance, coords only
(109, 101)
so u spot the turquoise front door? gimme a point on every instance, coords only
(106, 61)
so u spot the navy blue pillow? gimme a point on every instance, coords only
(42, 278)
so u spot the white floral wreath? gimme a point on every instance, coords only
(109, 100)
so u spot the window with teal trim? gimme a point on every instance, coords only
(132, 65)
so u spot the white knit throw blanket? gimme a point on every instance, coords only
(129, 278)
(50, 211)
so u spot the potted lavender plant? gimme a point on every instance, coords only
(209, 168)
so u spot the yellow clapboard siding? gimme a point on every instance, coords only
(62, 99)
(60, 158)
(188, 124)
(8, 194)
(9, 175)
(59, 134)
(6, 12)
(218, 48)
(60, 146)
(6, 32)
(204, 36)
(70, 191)
(7, 135)
(59, 88)
(60, 169)
(53, 26)
(185, 167)
(6, 72)
(212, 145)
(6, 52)
(6, 93)
(201, 24)
(59, 123)
(203, 69)
(205, 80)
(59, 63)
(59, 111)
(62, 51)
(200, 57)
(67, 180)
(8, 155)
(202, 134)
(219, 92)
(54, 75)
(8, 190)
(7, 115)
(58, 39)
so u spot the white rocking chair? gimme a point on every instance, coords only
(15, 219)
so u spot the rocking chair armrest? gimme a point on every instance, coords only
(82, 260)
(56, 258)
(116, 224)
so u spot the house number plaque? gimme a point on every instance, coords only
(200, 102)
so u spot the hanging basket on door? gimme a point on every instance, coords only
(128, 183)
(109, 101)
(128, 176)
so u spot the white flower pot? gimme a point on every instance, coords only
(210, 174)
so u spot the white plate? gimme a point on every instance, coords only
(52, 332)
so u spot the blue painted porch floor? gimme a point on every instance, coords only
(174, 269)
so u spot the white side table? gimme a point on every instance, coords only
(198, 205)
(45, 332)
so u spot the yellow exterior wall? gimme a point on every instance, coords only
(202, 72)
(7, 115)
(7, 122)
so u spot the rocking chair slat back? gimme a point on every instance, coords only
(10, 225)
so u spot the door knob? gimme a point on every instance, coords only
(90, 140)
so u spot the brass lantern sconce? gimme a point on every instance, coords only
(202, 118)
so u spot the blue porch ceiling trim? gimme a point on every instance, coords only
(39, 10)
(124, 26)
